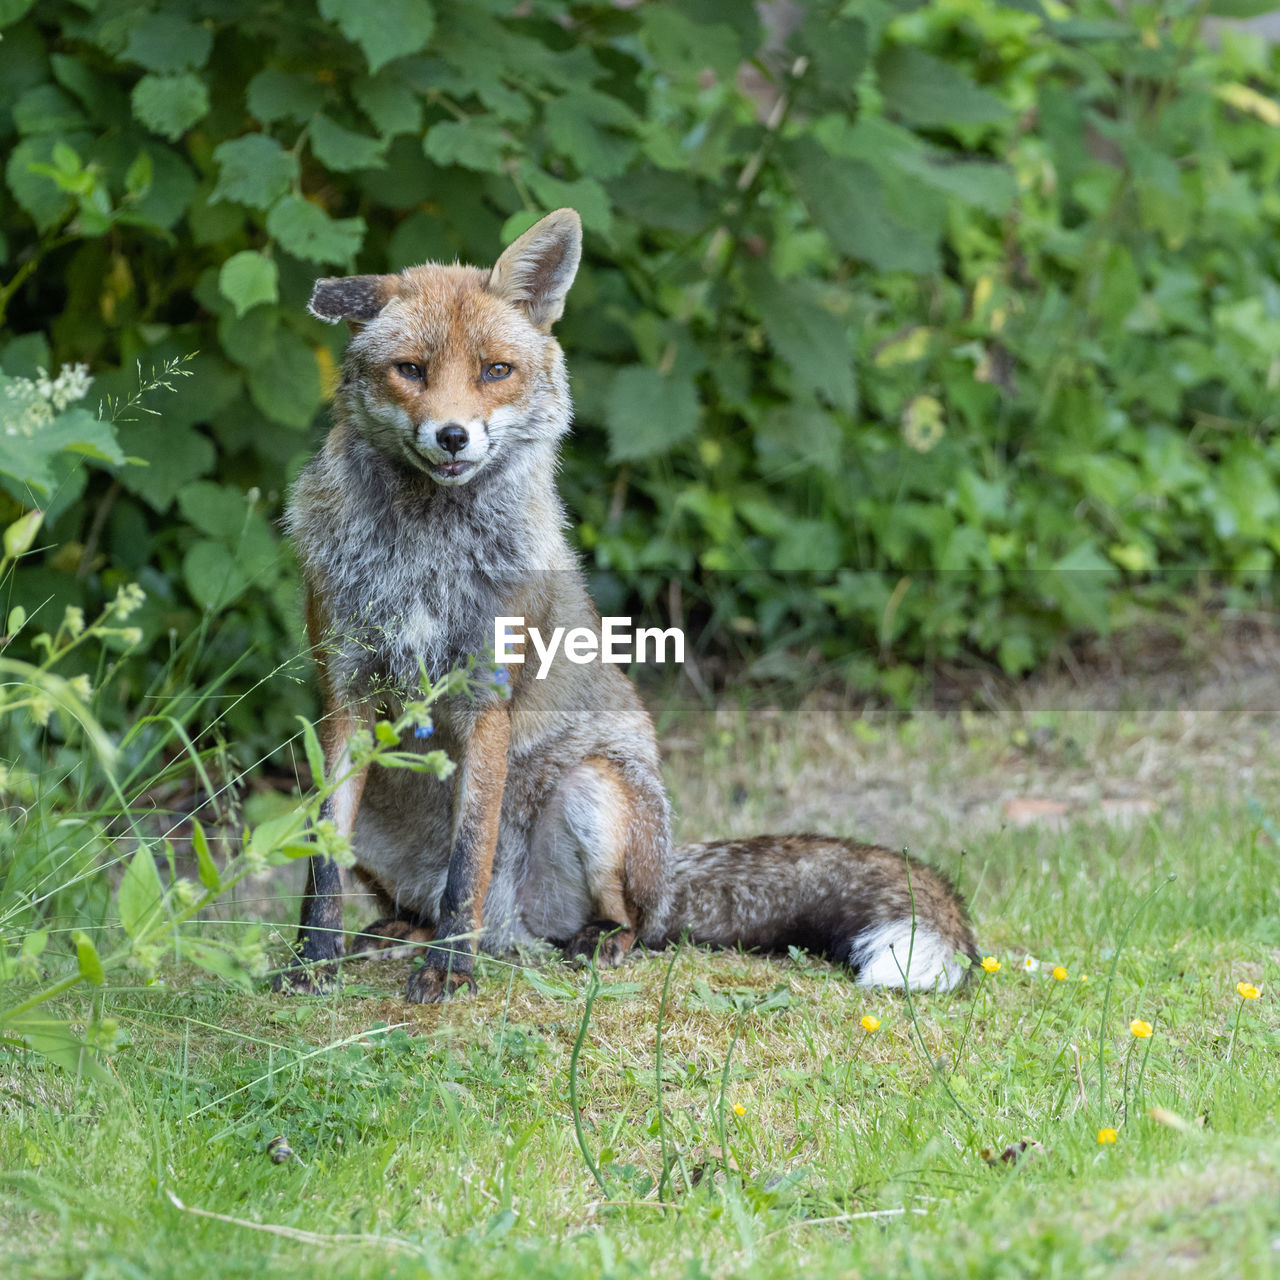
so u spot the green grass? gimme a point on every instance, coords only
(783, 1140)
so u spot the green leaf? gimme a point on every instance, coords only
(384, 31)
(812, 340)
(519, 222)
(55, 1039)
(781, 426)
(170, 105)
(343, 149)
(480, 143)
(677, 41)
(249, 339)
(213, 575)
(138, 177)
(165, 42)
(247, 279)
(390, 104)
(306, 231)
(647, 412)
(217, 959)
(924, 90)
(1016, 653)
(87, 956)
(218, 510)
(982, 184)
(28, 457)
(207, 869)
(36, 192)
(272, 835)
(12, 10)
(807, 545)
(848, 200)
(19, 536)
(140, 894)
(315, 754)
(287, 387)
(658, 198)
(1249, 497)
(254, 170)
(585, 195)
(593, 130)
(283, 95)
(176, 456)
(169, 192)
(549, 987)
(1078, 583)
(82, 432)
(46, 109)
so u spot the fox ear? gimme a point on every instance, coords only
(353, 298)
(535, 271)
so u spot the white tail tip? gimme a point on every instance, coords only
(902, 954)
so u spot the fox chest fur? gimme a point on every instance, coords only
(407, 576)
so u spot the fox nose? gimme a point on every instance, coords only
(452, 437)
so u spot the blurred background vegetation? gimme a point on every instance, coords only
(906, 333)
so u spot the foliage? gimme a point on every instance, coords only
(57, 927)
(908, 333)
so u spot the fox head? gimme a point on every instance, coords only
(450, 369)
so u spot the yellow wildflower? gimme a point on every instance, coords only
(1140, 1029)
(739, 1109)
(1247, 990)
(1106, 1135)
(869, 1023)
(1059, 973)
(991, 964)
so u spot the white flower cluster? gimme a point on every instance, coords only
(71, 384)
(33, 404)
(129, 599)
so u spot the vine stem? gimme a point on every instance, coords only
(592, 991)
(662, 1114)
(724, 1089)
(911, 1004)
(1106, 999)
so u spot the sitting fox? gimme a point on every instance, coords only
(431, 511)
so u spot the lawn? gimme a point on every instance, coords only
(694, 1114)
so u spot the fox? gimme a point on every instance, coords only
(430, 511)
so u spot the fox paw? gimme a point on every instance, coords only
(393, 933)
(605, 941)
(434, 986)
(306, 980)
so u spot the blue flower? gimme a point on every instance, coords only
(501, 675)
(423, 730)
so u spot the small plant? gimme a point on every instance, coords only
(151, 912)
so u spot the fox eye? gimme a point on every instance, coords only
(414, 372)
(496, 371)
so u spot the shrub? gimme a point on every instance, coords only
(912, 332)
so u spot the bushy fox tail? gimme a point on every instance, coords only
(894, 920)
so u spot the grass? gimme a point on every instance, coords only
(782, 1138)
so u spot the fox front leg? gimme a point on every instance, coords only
(320, 942)
(450, 958)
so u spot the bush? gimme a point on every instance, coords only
(912, 332)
